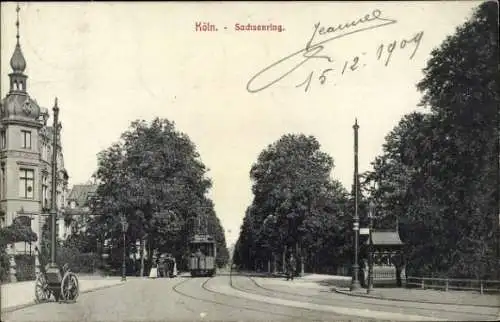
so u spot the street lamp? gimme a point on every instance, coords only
(355, 267)
(371, 213)
(53, 206)
(124, 230)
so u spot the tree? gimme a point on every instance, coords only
(215, 229)
(293, 196)
(439, 171)
(245, 246)
(155, 179)
(460, 86)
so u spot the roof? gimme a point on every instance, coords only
(17, 62)
(388, 238)
(80, 193)
(20, 106)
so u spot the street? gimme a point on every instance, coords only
(237, 298)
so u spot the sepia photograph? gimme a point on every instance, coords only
(249, 161)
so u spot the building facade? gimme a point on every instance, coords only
(26, 143)
(77, 211)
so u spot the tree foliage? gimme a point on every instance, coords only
(439, 170)
(155, 179)
(17, 232)
(296, 204)
(436, 180)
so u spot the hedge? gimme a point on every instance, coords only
(86, 263)
(25, 267)
(4, 265)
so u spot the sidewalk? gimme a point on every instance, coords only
(341, 285)
(21, 294)
(307, 305)
(427, 296)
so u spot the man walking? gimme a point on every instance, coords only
(291, 267)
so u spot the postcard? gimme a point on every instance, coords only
(249, 161)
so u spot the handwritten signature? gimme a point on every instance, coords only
(313, 49)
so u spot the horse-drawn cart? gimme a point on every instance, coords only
(62, 284)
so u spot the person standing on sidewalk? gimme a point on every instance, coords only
(291, 267)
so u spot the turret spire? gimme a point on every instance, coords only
(17, 22)
(18, 63)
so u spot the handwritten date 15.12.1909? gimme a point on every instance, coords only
(383, 54)
(324, 35)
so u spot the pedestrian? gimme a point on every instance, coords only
(291, 267)
(174, 267)
(168, 262)
(199, 256)
(154, 268)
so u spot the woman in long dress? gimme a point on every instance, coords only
(154, 270)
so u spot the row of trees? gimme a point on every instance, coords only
(155, 180)
(296, 206)
(437, 175)
(439, 170)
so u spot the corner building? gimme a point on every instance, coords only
(26, 157)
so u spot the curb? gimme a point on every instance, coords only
(348, 293)
(23, 306)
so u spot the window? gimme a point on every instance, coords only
(26, 185)
(2, 183)
(45, 187)
(26, 139)
(3, 143)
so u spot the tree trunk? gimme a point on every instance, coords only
(141, 250)
(283, 263)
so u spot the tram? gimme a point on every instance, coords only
(202, 261)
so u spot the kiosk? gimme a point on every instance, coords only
(385, 252)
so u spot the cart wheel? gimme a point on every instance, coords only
(70, 288)
(42, 292)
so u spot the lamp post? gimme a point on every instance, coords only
(355, 267)
(371, 213)
(124, 230)
(53, 206)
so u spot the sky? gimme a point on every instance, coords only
(112, 63)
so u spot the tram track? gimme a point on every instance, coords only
(175, 288)
(271, 311)
(300, 298)
(365, 301)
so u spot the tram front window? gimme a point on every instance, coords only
(205, 248)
